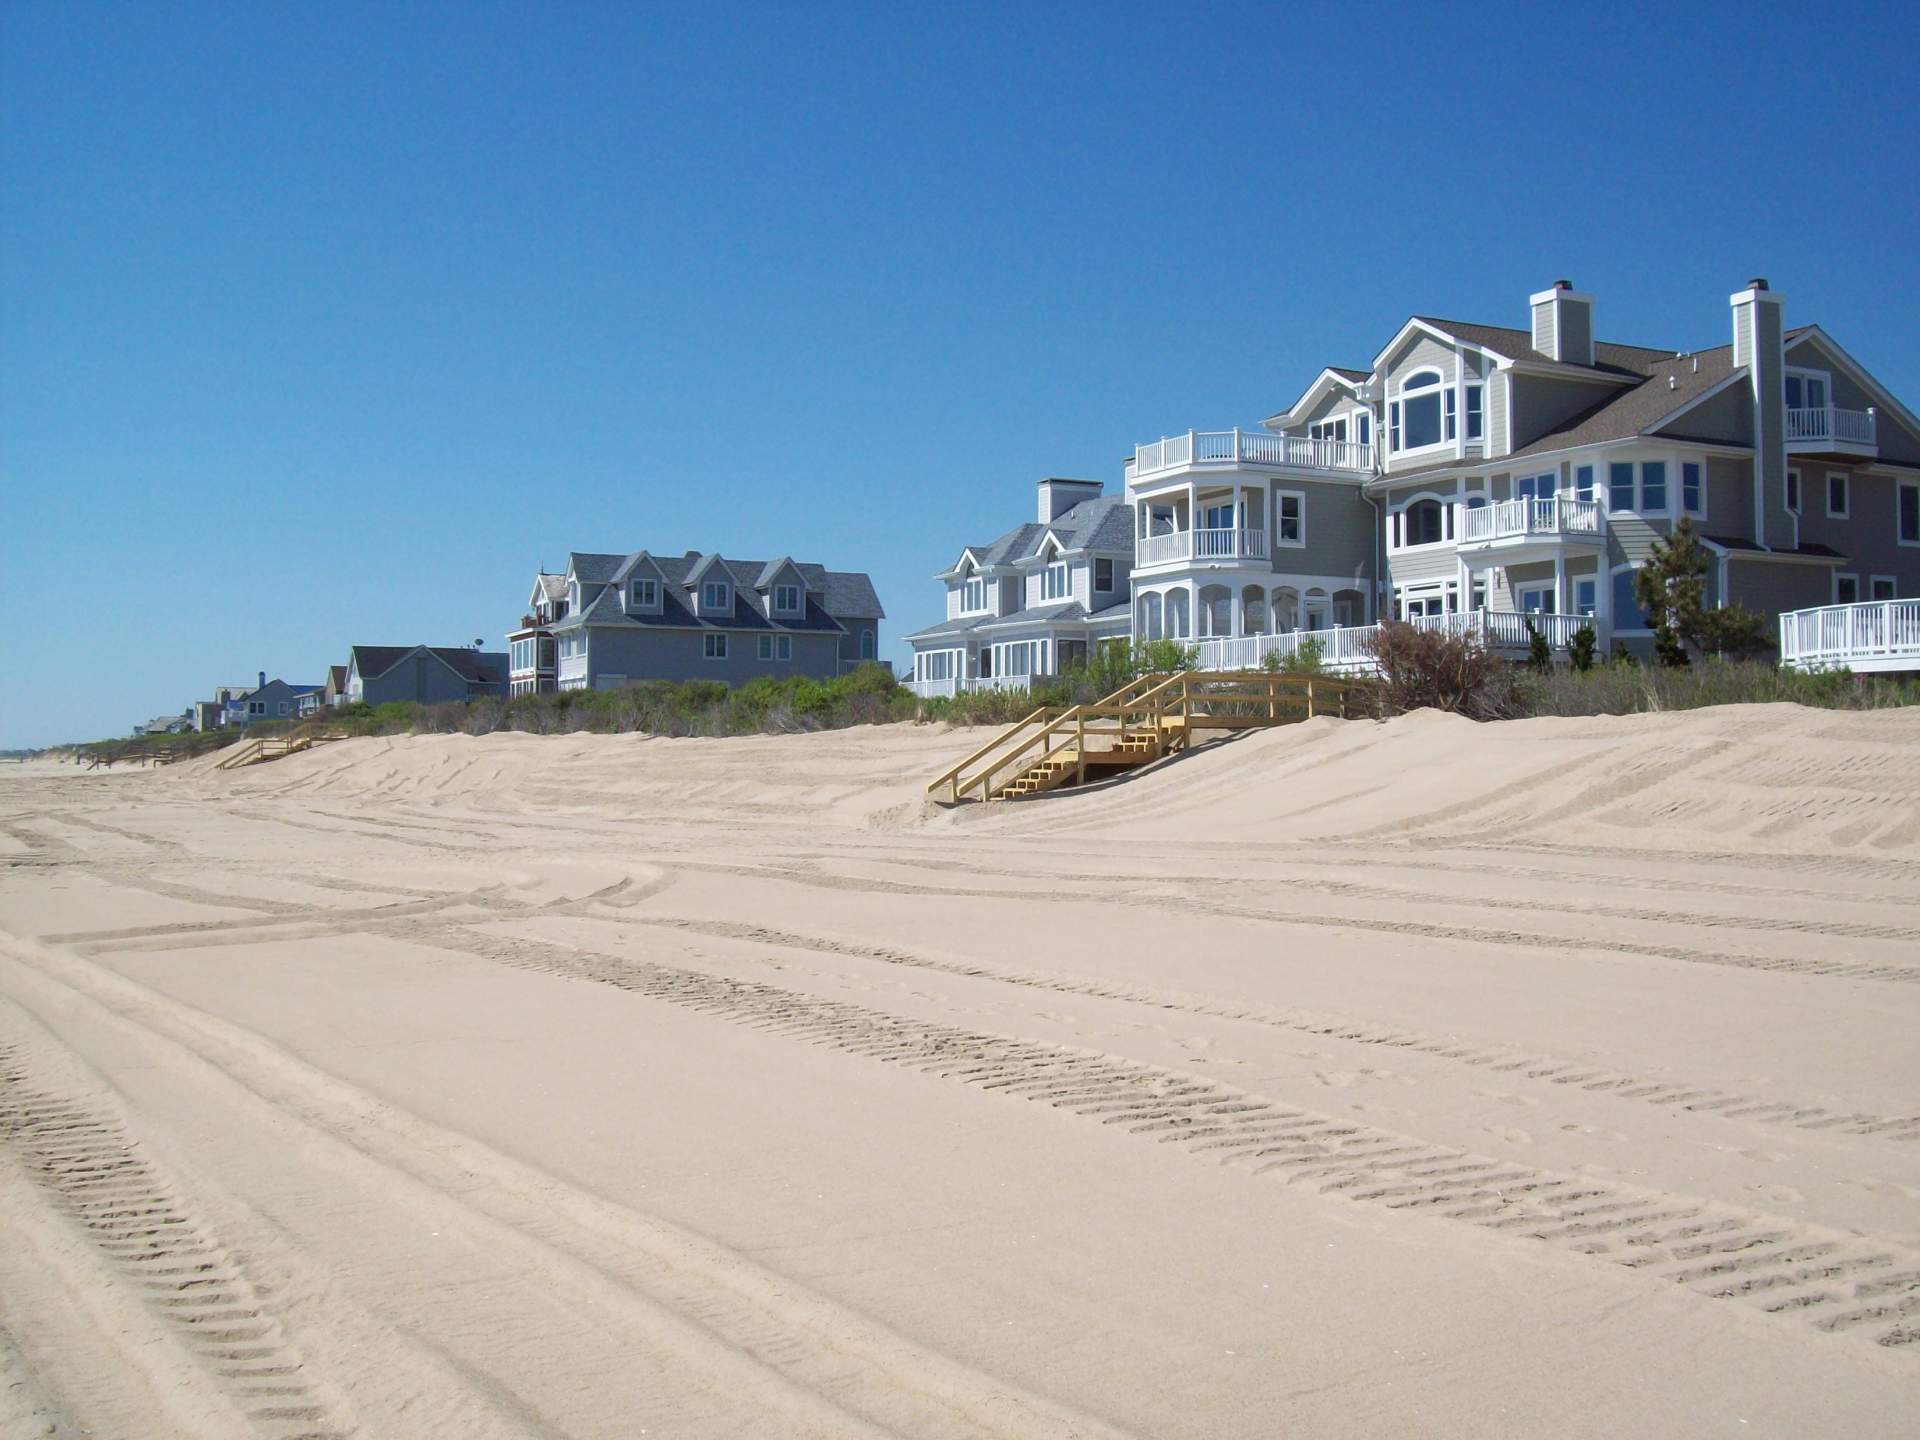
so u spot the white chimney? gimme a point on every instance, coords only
(1057, 496)
(1563, 324)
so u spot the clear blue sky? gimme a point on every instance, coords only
(332, 323)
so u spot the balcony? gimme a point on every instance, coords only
(1183, 546)
(1878, 636)
(1829, 430)
(1250, 449)
(1514, 523)
(956, 684)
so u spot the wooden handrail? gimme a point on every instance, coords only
(1006, 734)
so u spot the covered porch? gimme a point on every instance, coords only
(1246, 606)
(1216, 522)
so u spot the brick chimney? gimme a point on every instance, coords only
(1758, 329)
(1563, 324)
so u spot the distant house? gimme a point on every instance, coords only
(333, 692)
(424, 674)
(165, 725)
(269, 700)
(619, 618)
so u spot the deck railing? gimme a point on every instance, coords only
(1342, 648)
(1180, 545)
(1877, 635)
(1507, 629)
(1553, 516)
(956, 684)
(1250, 447)
(1830, 422)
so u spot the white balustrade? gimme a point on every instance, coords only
(1830, 422)
(1163, 549)
(1877, 635)
(1507, 629)
(1251, 447)
(1553, 516)
(1179, 545)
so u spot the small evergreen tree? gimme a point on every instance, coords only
(1580, 647)
(1672, 588)
(1539, 653)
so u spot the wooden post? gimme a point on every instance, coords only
(1273, 699)
(1080, 745)
(1309, 697)
(1343, 702)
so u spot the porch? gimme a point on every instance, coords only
(1250, 449)
(1512, 524)
(1829, 432)
(1872, 638)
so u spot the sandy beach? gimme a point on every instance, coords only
(1350, 1079)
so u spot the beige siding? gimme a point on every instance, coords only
(1540, 404)
(1729, 497)
(1773, 586)
(1630, 539)
(1776, 524)
(1339, 529)
(1497, 441)
(1437, 562)
(1420, 352)
(1728, 416)
(1869, 538)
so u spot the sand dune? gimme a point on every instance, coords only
(1353, 1078)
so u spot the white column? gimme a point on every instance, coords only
(1193, 508)
(1237, 607)
(1559, 582)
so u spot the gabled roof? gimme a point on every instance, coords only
(1646, 406)
(771, 570)
(593, 569)
(702, 565)
(1104, 522)
(1333, 376)
(473, 666)
(841, 594)
(1621, 361)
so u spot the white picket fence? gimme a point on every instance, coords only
(1879, 635)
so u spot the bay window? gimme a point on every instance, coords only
(1414, 419)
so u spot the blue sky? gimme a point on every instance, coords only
(323, 324)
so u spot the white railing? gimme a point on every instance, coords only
(1556, 515)
(1251, 447)
(1878, 635)
(1223, 544)
(1343, 647)
(572, 667)
(1830, 422)
(1507, 629)
(954, 685)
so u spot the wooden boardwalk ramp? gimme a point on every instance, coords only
(1153, 716)
(263, 748)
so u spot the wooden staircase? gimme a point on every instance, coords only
(263, 748)
(1139, 723)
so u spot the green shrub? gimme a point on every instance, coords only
(1580, 647)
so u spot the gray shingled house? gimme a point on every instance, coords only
(620, 618)
(1036, 600)
(425, 674)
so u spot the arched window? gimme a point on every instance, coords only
(1179, 617)
(1216, 610)
(1150, 616)
(1253, 610)
(1414, 419)
(1423, 523)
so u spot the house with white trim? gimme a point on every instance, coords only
(1507, 480)
(614, 619)
(1036, 600)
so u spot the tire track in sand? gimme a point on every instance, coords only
(83, 1161)
(1837, 1282)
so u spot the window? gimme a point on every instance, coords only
(1328, 429)
(1422, 523)
(1053, 581)
(1907, 516)
(1363, 427)
(1217, 517)
(283, 707)
(1620, 485)
(645, 594)
(1881, 587)
(715, 646)
(1415, 416)
(1806, 391)
(1693, 497)
(1837, 495)
(1290, 523)
(934, 665)
(1584, 594)
(1583, 482)
(973, 596)
(1103, 577)
(786, 599)
(1476, 412)
(1793, 491)
(1535, 599)
(716, 595)
(869, 646)
(775, 647)
(1653, 485)
(256, 707)
(1414, 606)
(1453, 420)
(1536, 487)
(1846, 589)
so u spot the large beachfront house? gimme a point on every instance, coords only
(1491, 478)
(612, 619)
(423, 674)
(1036, 599)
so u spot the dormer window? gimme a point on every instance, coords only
(786, 599)
(573, 593)
(1414, 420)
(645, 594)
(716, 595)
(973, 595)
(1053, 581)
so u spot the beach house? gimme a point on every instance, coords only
(1508, 480)
(1035, 600)
(610, 619)
(423, 674)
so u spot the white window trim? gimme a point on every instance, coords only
(1892, 580)
(1055, 569)
(1825, 377)
(1394, 530)
(1840, 575)
(1701, 466)
(1552, 476)
(1301, 497)
(784, 608)
(1396, 401)
(1845, 512)
(1094, 586)
(648, 601)
(724, 603)
(1476, 392)
(714, 646)
(1633, 606)
(1899, 539)
(984, 605)
(1797, 493)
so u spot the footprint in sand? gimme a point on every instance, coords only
(1511, 1134)
(1779, 1194)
